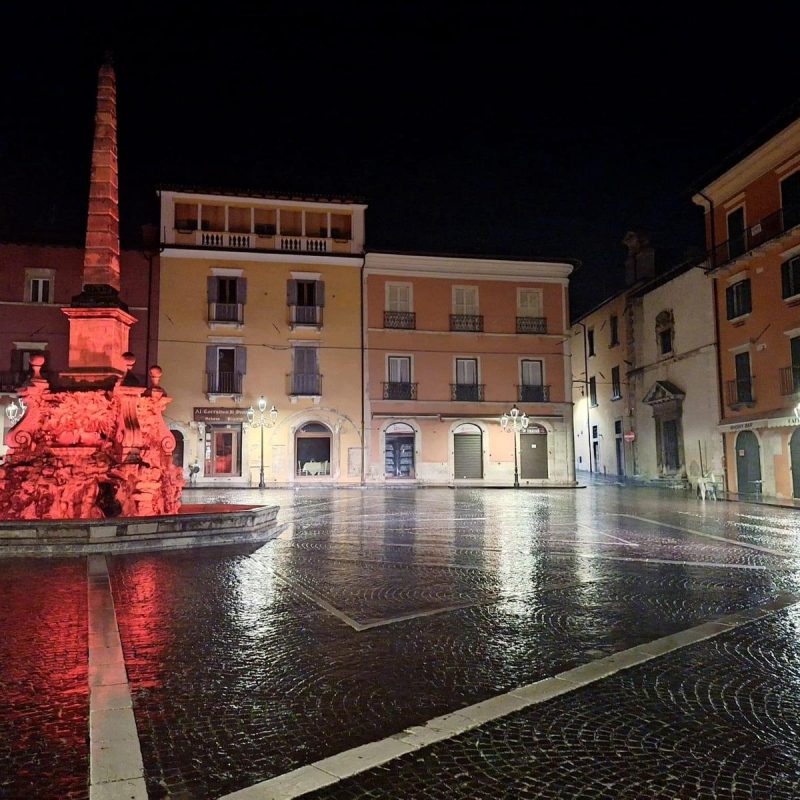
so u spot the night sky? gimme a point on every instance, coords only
(478, 130)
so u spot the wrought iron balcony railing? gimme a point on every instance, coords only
(393, 390)
(740, 392)
(533, 394)
(305, 315)
(466, 322)
(226, 312)
(531, 324)
(781, 221)
(466, 391)
(400, 319)
(790, 379)
(224, 382)
(307, 384)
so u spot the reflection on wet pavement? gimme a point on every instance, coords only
(381, 609)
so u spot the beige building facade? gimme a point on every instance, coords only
(260, 296)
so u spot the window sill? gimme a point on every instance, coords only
(315, 398)
(593, 405)
(214, 324)
(740, 317)
(616, 397)
(792, 299)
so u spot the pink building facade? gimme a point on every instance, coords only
(451, 343)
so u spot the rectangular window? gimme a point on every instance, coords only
(531, 372)
(790, 277)
(593, 391)
(306, 377)
(398, 297)
(613, 325)
(226, 299)
(305, 299)
(40, 290)
(738, 299)
(616, 386)
(467, 371)
(665, 341)
(790, 200)
(225, 369)
(399, 369)
(590, 341)
(529, 303)
(532, 388)
(465, 299)
(744, 387)
(736, 239)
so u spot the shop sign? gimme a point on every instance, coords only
(216, 414)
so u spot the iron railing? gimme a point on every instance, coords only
(224, 382)
(466, 391)
(394, 390)
(790, 379)
(472, 323)
(740, 392)
(531, 324)
(305, 383)
(533, 394)
(226, 312)
(305, 315)
(400, 319)
(781, 221)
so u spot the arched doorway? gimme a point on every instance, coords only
(177, 453)
(748, 463)
(794, 453)
(313, 450)
(533, 452)
(399, 452)
(467, 452)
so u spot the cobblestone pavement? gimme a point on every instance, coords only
(382, 609)
(44, 694)
(718, 720)
(378, 610)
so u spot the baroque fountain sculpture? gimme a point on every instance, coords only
(92, 443)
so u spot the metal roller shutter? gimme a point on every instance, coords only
(533, 455)
(468, 460)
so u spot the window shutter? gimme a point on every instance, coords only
(241, 360)
(241, 290)
(729, 301)
(747, 302)
(213, 287)
(211, 359)
(291, 293)
(319, 290)
(786, 283)
(392, 293)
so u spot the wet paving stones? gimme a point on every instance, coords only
(44, 695)
(718, 720)
(247, 663)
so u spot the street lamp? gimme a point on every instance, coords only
(263, 421)
(514, 421)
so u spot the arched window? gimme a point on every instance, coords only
(313, 450)
(177, 453)
(399, 451)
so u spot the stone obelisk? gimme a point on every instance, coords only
(99, 322)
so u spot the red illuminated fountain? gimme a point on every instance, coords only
(92, 443)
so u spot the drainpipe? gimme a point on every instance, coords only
(586, 392)
(720, 394)
(363, 356)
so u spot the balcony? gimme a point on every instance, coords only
(226, 312)
(303, 244)
(305, 315)
(776, 224)
(471, 323)
(740, 392)
(790, 379)
(533, 394)
(531, 324)
(224, 382)
(468, 392)
(305, 384)
(399, 391)
(406, 320)
(264, 238)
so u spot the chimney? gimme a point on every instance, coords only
(640, 263)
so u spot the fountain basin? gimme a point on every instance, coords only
(198, 525)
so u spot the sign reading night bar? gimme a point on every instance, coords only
(220, 414)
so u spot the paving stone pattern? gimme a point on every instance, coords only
(240, 671)
(44, 695)
(719, 720)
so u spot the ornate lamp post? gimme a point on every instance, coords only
(515, 421)
(263, 421)
(16, 412)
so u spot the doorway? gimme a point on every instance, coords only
(399, 452)
(794, 452)
(467, 452)
(313, 450)
(223, 451)
(620, 450)
(533, 453)
(748, 463)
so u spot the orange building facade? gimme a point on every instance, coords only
(451, 344)
(753, 236)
